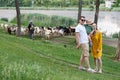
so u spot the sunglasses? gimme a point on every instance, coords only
(82, 20)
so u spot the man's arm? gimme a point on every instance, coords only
(77, 39)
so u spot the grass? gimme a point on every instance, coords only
(45, 20)
(25, 59)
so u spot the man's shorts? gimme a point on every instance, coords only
(85, 49)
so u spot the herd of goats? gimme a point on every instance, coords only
(46, 32)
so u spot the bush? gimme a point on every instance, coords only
(4, 19)
(91, 7)
(115, 35)
(116, 9)
(44, 20)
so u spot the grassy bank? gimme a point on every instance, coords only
(25, 59)
(63, 8)
(45, 20)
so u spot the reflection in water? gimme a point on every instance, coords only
(108, 25)
(108, 22)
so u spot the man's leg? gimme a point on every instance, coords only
(81, 60)
(30, 35)
(86, 54)
(86, 57)
(87, 62)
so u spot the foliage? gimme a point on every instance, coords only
(115, 35)
(4, 19)
(46, 3)
(57, 4)
(44, 20)
(116, 3)
(91, 7)
(116, 9)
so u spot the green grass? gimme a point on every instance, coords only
(45, 20)
(25, 59)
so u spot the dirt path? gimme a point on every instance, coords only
(108, 42)
(112, 43)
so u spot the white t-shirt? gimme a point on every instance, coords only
(83, 37)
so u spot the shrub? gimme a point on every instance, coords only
(115, 35)
(4, 19)
(44, 20)
(116, 9)
(91, 7)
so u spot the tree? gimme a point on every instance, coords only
(117, 55)
(79, 9)
(116, 3)
(18, 18)
(97, 11)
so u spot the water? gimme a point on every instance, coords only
(108, 22)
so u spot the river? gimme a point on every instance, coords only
(108, 22)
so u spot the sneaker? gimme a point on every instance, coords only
(82, 68)
(91, 70)
(96, 69)
(100, 71)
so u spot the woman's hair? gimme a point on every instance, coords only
(94, 24)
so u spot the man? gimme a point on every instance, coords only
(82, 41)
(89, 29)
(31, 29)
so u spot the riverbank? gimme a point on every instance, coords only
(63, 8)
(108, 21)
(112, 43)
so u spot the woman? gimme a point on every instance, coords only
(96, 37)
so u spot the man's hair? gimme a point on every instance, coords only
(82, 17)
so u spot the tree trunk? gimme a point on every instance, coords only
(117, 55)
(79, 9)
(18, 18)
(97, 11)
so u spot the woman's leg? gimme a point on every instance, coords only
(96, 64)
(100, 64)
